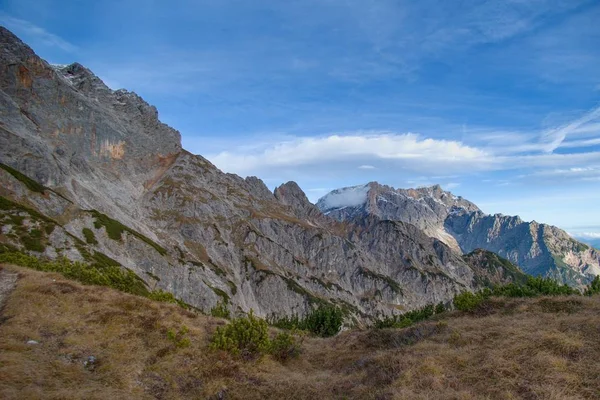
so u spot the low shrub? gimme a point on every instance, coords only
(285, 346)
(324, 321)
(468, 301)
(166, 297)
(246, 336)
(594, 287)
(178, 337)
(220, 311)
(534, 286)
(411, 317)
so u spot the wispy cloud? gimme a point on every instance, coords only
(553, 138)
(28, 30)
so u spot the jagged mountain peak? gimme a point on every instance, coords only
(370, 194)
(292, 195)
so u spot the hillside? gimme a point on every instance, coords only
(538, 249)
(511, 348)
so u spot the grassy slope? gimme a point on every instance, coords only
(542, 348)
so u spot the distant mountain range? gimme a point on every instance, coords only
(589, 240)
(539, 249)
(91, 174)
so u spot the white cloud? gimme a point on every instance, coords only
(26, 28)
(366, 167)
(586, 235)
(407, 150)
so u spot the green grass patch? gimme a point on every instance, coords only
(389, 282)
(114, 230)
(90, 238)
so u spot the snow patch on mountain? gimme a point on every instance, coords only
(347, 197)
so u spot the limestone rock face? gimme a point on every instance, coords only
(100, 161)
(539, 249)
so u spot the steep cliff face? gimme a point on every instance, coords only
(538, 249)
(98, 163)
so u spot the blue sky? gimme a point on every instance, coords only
(498, 101)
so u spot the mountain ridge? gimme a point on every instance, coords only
(539, 249)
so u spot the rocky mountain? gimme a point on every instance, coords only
(539, 249)
(91, 174)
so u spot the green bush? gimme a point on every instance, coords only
(245, 336)
(248, 337)
(468, 301)
(594, 287)
(178, 337)
(535, 286)
(326, 320)
(220, 311)
(166, 297)
(285, 346)
(440, 308)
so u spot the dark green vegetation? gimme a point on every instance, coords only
(411, 317)
(114, 230)
(491, 263)
(30, 183)
(90, 238)
(101, 271)
(392, 284)
(178, 337)
(594, 287)
(166, 297)
(220, 311)
(534, 287)
(248, 337)
(89, 274)
(324, 321)
(33, 236)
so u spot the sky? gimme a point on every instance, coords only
(497, 101)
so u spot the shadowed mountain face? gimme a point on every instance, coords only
(92, 174)
(539, 249)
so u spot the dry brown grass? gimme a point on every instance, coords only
(547, 348)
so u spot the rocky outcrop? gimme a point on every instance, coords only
(538, 249)
(98, 162)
